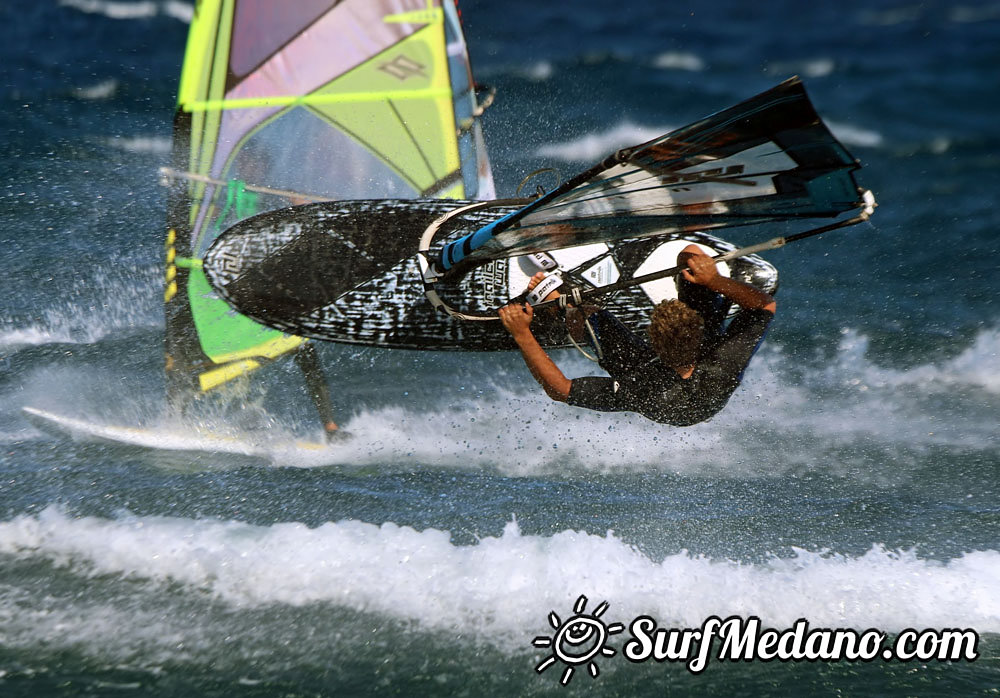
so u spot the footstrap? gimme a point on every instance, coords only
(546, 286)
(543, 260)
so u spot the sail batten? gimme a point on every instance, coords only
(295, 100)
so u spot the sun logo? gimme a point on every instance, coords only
(578, 640)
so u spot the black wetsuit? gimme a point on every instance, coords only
(641, 383)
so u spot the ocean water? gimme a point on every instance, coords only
(853, 480)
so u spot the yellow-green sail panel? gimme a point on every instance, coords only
(414, 137)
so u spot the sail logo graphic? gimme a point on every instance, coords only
(402, 67)
(230, 263)
(578, 640)
(494, 278)
(732, 174)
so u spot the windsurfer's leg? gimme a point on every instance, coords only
(319, 393)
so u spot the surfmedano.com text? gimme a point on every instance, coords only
(739, 639)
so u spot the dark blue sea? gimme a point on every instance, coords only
(853, 481)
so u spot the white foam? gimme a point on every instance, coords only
(117, 628)
(851, 400)
(143, 9)
(182, 11)
(965, 14)
(502, 588)
(540, 71)
(810, 68)
(114, 10)
(892, 17)
(843, 402)
(595, 146)
(122, 297)
(102, 90)
(155, 145)
(56, 328)
(849, 134)
(33, 336)
(677, 60)
(491, 431)
(977, 366)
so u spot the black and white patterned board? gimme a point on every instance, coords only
(347, 272)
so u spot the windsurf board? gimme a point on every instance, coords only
(319, 271)
(161, 439)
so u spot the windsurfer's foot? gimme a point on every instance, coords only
(538, 278)
(338, 436)
(335, 434)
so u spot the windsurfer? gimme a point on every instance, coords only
(689, 368)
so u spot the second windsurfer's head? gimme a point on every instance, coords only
(675, 331)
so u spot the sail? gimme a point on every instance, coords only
(288, 103)
(767, 159)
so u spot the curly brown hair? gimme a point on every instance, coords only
(675, 331)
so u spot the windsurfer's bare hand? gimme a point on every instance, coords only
(701, 268)
(516, 318)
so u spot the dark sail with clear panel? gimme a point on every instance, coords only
(767, 159)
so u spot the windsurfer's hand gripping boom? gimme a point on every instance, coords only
(516, 318)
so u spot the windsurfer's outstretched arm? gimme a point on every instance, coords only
(701, 269)
(517, 319)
